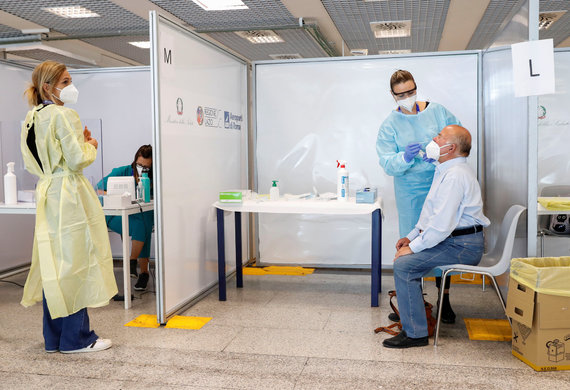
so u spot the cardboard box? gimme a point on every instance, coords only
(541, 327)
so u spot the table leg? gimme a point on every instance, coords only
(221, 256)
(239, 272)
(376, 257)
(126, 260)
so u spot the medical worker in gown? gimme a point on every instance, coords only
(72, 266)
(403, 134)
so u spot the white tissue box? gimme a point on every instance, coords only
(116, 201)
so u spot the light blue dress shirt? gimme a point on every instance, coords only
(453, 202)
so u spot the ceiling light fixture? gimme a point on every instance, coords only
(292, 56)
(260, 36)
(547, 19)
(392, 29)
(221, 5)
(141, 44)
(401, 51)
(359, 52)
(74, 11)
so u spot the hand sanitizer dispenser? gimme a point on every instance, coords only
(10, 185)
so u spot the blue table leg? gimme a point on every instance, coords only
(239, 272)
(221, 256)
(376, 257)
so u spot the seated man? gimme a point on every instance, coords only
(449, 231)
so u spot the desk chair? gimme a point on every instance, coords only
(493, 263)
(562, 190)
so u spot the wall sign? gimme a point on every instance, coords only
(533, 68)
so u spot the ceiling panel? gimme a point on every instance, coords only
(352, 18)
(121, 45)
(112, 20)
(560, 30)
(296, 42)
(9, 32)
(261, 13)
(493, 20)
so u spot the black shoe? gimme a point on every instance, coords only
(448, 316)
(394, 317)
(403, 341)
(142, 282)
(133, 267)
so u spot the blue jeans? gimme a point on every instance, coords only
(67, 333)
(409, 269)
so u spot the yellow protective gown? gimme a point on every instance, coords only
(71, 259)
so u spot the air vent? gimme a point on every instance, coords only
(393, 29)
(285, 56)
(359, 52)
(260, 36)
(547, 19)
(403, 51)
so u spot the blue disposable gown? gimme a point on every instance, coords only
(412, 180)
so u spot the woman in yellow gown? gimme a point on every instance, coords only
(72, 265)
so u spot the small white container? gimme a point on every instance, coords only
(274, 191)
(342, 181)
(10, 185)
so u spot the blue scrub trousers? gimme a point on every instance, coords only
(409, 269)
(140, 229)
(67, 333)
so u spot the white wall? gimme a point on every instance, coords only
(17, 231)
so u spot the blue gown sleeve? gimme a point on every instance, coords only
(391, 158)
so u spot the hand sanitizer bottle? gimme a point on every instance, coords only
(10, 186)
(274, 191)
(342, 181)
(145, 181)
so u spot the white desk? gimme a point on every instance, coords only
(309, 206)
(30, 208)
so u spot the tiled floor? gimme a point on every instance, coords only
(279, 332)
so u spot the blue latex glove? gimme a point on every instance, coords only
(411, 151)
(427, 159)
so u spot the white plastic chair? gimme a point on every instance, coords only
(493, 263)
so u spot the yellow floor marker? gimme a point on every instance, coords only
(186, 322)
(276, 270)
(488, 329)
(144, 321)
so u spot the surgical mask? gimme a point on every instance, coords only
(408, 103)
(433, 150)
(68, 95)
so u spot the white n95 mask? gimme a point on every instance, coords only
(408, 103)
(139, 170)
(433, 150)
(68, 95)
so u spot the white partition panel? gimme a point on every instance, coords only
(118, 102)
(310, 113)
(16, 238)
(553, 138)
(200, 107)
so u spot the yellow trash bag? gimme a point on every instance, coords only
(545, 275)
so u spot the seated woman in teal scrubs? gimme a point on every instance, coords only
(140, 225)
